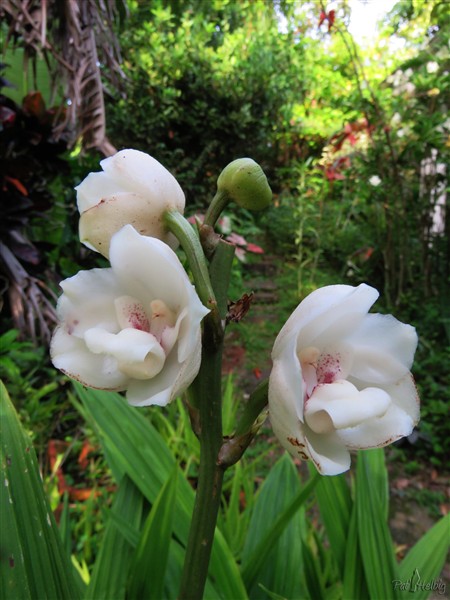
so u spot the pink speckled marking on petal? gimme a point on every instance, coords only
(329, 368)
(131, 313)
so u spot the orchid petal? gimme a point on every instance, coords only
(134, 189)
(70, 356)
(138, 353)
(142, 174)
(341, 405)
(163, 278)
(383, 349)
(96, 188)
(135, 326)
(336, 306)
(327, 452)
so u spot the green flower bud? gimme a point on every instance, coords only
(245, 183)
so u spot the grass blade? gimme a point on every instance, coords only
(335, 504)
(353, 578)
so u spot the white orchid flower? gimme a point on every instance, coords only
(134, 326)
(134, 189)
(340, 379)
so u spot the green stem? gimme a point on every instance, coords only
(253, 408)
(186, 235)
(248, 426)
(206, 397)
(218, 203)
(207, 389)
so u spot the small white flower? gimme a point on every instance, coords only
(375, 180)
(432, 67)
(134, 326)
(396, 119)
(134, 189)
(341, 378)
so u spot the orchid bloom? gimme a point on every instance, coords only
(341, 378)
(133, 188)
(134, 326)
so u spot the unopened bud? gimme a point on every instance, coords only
(245, 183)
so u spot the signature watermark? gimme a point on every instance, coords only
(416, 584)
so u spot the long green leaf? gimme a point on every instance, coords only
(419, 571)
(134, 447)
(313, 580)
(335, 504)
(376, 464)
(260, 552)
(109, 577)
(281, 570)
(34, 563)
(373, 533)
(149, 563)
(353, 578)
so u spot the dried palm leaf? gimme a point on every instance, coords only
(79, 36)
(31, 301)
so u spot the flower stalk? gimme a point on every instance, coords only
(206, 397)
(218, 204)
(183, 230)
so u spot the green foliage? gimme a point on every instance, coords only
(266, 559)
(283, 557)
(149, 564)
(31, 545)
(133, 447)
(205, 88)
(30, 379)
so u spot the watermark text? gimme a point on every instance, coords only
(417, 584)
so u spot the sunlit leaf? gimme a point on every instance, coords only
(111, 568)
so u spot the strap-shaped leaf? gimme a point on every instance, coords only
(34, 563)
(374, 537)
(335, 503)
(354, 580)
(282, 569)
(419, 571)
(109, 578)
(148, 568)
(132, 446)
